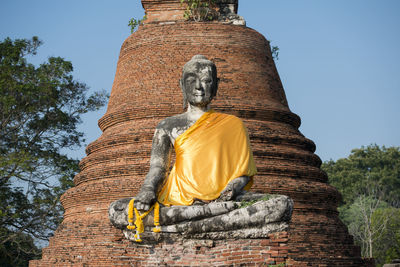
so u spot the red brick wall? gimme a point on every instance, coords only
(120, 252)
(163, 10)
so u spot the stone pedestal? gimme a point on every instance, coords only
(268, 251)
(146, 90)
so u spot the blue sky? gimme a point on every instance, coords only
(339, 60)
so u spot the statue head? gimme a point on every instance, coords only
(199, 82)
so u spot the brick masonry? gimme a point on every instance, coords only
(121, 252)
(145, 90)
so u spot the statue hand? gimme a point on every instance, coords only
(145, 199)
(234, 188)
(227, 194)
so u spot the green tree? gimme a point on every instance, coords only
(387, 246)
(40, 109)
(369, 180)
(18, 251)
(364, 223)
(366, 167)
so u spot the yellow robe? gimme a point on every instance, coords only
(211, 153)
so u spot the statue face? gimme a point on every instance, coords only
(198, 85)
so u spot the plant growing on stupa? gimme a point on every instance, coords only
(200, 10)
(275, 52)
(134, 23)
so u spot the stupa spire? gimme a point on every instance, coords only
(164, 11)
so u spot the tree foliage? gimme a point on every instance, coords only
(367, 167)
(364, 223)
(17, 251)
(388, 247)
(369, 180)
(40, 110)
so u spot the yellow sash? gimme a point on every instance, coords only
(211, 153)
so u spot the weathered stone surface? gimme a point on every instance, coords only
(228, 12)
(216, 220)
(258, 214)
(118, 212)
(259, 232)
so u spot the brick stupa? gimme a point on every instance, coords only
(146, 90)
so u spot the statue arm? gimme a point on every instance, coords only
(159, 163)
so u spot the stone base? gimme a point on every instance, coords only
(92, 241)
(252, 252)
(272, 250)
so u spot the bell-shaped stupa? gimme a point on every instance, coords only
(146, 90)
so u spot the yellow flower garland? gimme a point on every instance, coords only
(130, 226)
(138, 224)
(157, 227)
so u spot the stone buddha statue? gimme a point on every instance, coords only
(199, 172)
(205, 192)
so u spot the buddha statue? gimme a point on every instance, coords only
(205, 192)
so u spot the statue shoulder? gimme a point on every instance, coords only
(170, 123)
